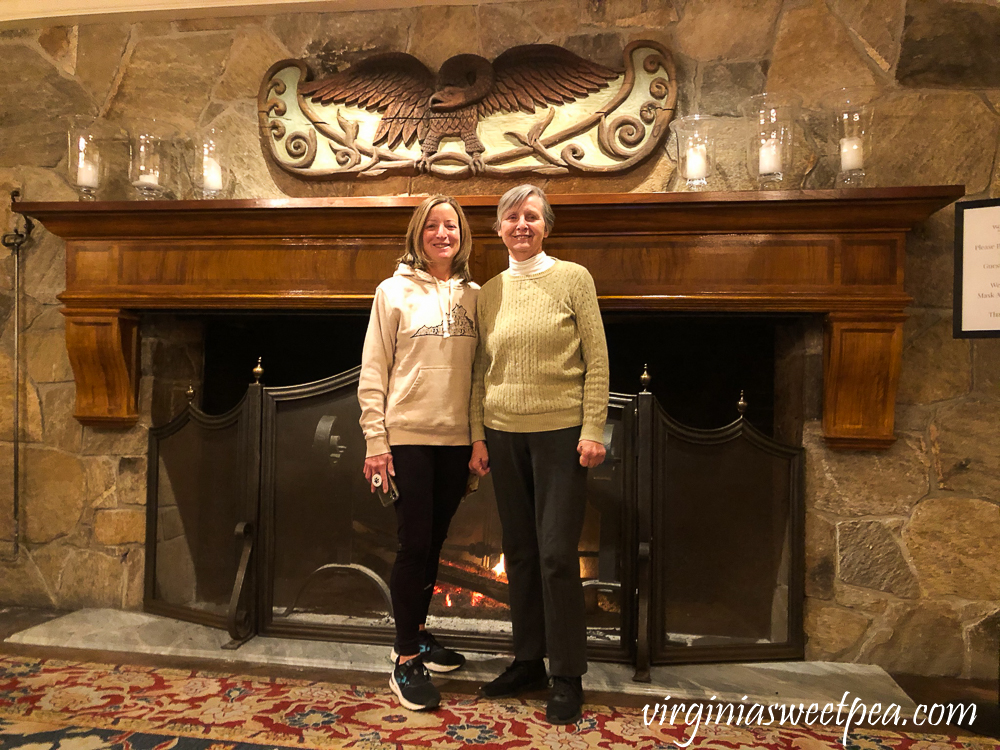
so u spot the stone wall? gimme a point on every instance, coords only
(902, 544)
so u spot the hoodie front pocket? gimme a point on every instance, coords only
(435, 398)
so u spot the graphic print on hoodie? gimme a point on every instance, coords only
(457, 323)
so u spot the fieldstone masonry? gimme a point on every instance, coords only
(901, 545)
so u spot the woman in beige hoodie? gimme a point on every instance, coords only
(416, 373)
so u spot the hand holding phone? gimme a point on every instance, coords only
(387, 492)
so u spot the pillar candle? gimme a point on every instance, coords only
(211, 174)
(852, 154)
(770, 157)
(86, 173)
(696, 162)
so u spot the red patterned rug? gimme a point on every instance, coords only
(50, 703)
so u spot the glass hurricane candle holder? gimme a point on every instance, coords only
(151, 167)
(85, 164)
(210, 174)
(695, 148)
(771, 122)
(853, 111)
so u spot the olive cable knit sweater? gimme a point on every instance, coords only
(542, 360)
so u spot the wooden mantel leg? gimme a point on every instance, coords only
(862, 359)
(104, 353)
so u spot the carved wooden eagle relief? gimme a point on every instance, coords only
(416, 104)
(389, 112)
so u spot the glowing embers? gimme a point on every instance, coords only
(472, 591)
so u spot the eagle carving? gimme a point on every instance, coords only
(416, 104)
(537, 109)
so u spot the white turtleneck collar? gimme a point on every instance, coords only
(534, 264)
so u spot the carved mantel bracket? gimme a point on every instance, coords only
(835, 252)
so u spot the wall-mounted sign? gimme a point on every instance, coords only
(536, 109)
(977, 269)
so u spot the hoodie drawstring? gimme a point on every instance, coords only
(446, 311)
(445, 301)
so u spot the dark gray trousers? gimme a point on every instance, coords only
(540, 489)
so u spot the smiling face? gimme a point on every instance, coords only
(522, 229)
(441, 239)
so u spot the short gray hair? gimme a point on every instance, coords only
(518, 195)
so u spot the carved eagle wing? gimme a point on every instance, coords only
(540, 75)
(396, 84)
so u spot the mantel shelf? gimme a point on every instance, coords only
(836, 252)
(576, 214)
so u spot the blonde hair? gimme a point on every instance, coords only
(414, 254)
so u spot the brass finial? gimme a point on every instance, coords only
(645, 378)
(258, 371)
(741, 405)
(190, 392)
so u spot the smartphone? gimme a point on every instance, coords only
(387, 493)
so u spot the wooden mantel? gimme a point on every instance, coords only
(837, 252)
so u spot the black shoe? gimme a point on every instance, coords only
(412, 685)
(436, 657)
(519, 677)
(565, 700)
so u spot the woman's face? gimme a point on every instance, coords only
(441, 236)
(522, 228)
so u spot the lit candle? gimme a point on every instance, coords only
(211, 174)
(697, 162)
(86, 173)
(149, 178)
(770, 157)
(852, 154)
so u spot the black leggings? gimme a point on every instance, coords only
(431, 481)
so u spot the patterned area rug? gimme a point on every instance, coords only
(49, 703)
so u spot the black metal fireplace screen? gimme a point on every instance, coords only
(692, 548)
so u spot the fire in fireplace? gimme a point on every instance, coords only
(692, 541)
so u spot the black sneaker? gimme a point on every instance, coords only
(412, 685)
(565, 700)
(519, 677)
(436, 657)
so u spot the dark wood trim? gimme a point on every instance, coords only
(835, 252)
(586, 213)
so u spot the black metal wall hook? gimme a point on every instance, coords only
(14, 240)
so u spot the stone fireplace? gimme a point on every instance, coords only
(834, 256)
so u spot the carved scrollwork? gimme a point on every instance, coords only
(622, 136)
(302, 148)
(647, 113)
(578, 116)
(659, 88)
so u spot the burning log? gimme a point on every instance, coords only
(496, 590)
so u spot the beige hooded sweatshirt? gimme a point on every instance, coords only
(416, 367)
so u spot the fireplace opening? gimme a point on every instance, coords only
(325, 546)
(293, 348)
(699, 364)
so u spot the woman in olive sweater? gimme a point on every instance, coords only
(538, 408)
